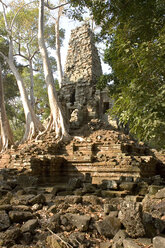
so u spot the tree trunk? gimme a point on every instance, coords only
(58, 50)
(32, 99)
(6, 135)
(33, 125)
(57, 120)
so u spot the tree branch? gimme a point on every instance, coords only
(34, 54)
(31, 39)
(5, 19)
(21, 55)
(53, 8)
(67, 244)
(3, 3)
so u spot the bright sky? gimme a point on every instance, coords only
(73, 25)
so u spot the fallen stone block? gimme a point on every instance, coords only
(108, 227)
(4, 220)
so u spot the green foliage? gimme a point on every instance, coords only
(134, 32)
(40, 93)
(24, 34)
(10, 87)
(16, 118)
(50, 35)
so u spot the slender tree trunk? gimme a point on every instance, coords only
(32, 99)
(58, 49)
(57, 121)
(33, 125)
(6, 135)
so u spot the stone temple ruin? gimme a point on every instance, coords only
(104, 153)
(78, 94)
(103, 190)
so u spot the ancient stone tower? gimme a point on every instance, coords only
(83, 68)
(83, 63)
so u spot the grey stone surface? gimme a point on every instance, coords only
(82, 59)
(20, 216)
(78, 93)
(130, 216)
(105, 244)
(129, 243)
(21, 199)
(160, 194)
(52, 242)
(79, 221)
(40, 198)
(9, 237)
(4, 220)
(77, 238)
(129, 186)
(108, 227)
(118, 239)
(154, 213)
(91, 199)
(29, 226)
(159, 242)
(111, 184)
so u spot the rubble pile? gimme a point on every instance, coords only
(98, 190)
(101, 154)
(81, 214)
(101, 189)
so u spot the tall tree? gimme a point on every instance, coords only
(13, 104)
(134, 32)
(6, 136)
(26, 42)
(25, 37)
(57, 120)
(58, 49)
(33, 125)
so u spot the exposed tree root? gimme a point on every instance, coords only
(54, 126)
(79, 138)
(33, 127)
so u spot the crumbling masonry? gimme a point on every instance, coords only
(104, 154)
(78, 94)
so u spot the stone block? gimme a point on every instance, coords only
(79, 221)
(130, 216)
(29, 226)
(108, 227)
(4, 220)
(129, 243)
(20, 216)
(158, 242)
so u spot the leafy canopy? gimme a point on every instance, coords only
(134, 32)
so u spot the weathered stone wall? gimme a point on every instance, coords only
(78, 94)
(104, 155)
(83, 62)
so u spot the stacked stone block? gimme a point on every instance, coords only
(83, 68)
(83, 62)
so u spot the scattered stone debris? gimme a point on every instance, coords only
(73, 215)
(102, 154)
(42, 208)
